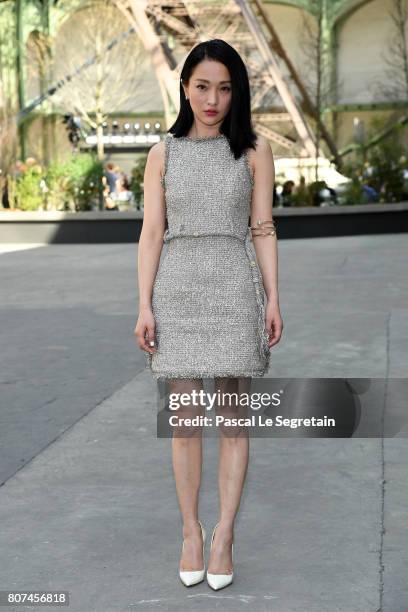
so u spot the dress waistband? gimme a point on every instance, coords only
(168, 235)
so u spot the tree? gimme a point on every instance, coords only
(8, 104)
(395, 87)
(37, 60)
(110, 81)
(8, 140)
(316, 44)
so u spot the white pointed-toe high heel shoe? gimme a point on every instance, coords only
(189, 578)
(219, 581)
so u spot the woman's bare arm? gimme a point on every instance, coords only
(265, 246)
(154, 217)
(150, 246)
(261, 209)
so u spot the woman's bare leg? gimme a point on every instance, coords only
(233, 464)
(187, 465)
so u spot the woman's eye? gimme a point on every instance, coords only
(224, 88)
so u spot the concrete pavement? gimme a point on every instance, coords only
(88, 501)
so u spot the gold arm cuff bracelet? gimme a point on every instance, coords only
(271, 233)
(260, 224)
(268, 224)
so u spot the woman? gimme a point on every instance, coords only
(209, 308)
(123, 198)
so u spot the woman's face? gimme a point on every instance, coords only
(209, 88)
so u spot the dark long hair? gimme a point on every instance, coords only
(237, 125)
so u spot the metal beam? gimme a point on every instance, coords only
(234, 21)
(272, 67)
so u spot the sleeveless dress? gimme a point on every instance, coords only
(208, 298)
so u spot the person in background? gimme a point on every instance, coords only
(370, 194)
(275, 197)
(111, 176)
(300, 193)
(286, 195)
(109, 179)
(123, 198)
(5, 203)
(18, 169)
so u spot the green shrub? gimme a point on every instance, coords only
(75, 184)
(70, 186)
(27, 191)
(379, 165)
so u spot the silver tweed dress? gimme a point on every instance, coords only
(208, 297)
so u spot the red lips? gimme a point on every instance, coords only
(211, 112)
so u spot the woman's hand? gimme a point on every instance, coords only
(273, 322)
(145, 330)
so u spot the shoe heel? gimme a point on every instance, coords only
(219, 581)
(190, 578)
